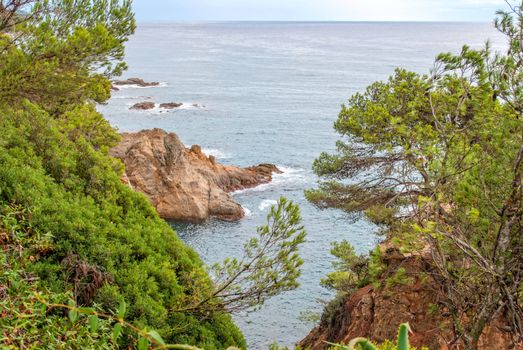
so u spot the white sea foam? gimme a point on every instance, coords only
(133, 86)
(129, 97)
(247, 211)
(158, 110)
(267, 203)
(191, 105)
(123, 97)
(218, 154)
(288, 177)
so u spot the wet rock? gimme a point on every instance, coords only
(143, 106)
(171, 105)
(135, 81)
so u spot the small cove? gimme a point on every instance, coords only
(271, 92)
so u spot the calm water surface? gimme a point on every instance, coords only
(271, 93)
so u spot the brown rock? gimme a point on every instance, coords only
(135, 81)
(143, 106)
(376, 313)
(184, 184)
(171, 105)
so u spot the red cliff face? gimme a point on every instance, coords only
(376, 312)
(184, 184)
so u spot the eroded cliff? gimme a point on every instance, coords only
(183, 183)
(375, 311)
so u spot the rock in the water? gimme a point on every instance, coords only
(184, 184)
(171, 105)
(143, 106)
(135, 81)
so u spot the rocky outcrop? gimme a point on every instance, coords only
(143, 106)
(375, 312)
(183, 183)
(171, 105)
(135, 81)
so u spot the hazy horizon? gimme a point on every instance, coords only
(185, 21)
(313, 11)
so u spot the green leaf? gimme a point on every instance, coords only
(86, 310)
(157, 337)
(403, 337)
(357, 343)
(120, 312)
(368, 346)
(93, 323)
(73, 315)
(117, 331)
(338, 346)
(143, 344)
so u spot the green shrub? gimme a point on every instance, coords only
(72, 194)
(72, 229)
(400, 278)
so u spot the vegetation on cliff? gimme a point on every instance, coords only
(75, 241)
(436, 161)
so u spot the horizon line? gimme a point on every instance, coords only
(306, 21)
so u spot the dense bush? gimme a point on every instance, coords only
(72, 192)
(90, 238)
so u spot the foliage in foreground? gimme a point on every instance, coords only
(436, 161)
(36, 319)
(100, 240)
(33, 317)
(365, 344)
(70, 229)
(402, 343)
(76, 242)
(103, 243)
(270, 264)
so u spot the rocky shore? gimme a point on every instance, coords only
(134, 81)
(147, 105)
(376, 310)
(183, 183)
(143, 106)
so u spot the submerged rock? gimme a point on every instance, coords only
(184, 184)
(143, 106)
(171, 105)
(135, 81)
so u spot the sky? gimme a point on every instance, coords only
(317, 10)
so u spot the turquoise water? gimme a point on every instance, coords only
(271, 92)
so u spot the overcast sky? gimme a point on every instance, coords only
(318, 10)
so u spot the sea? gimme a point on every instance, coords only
(269, 92)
